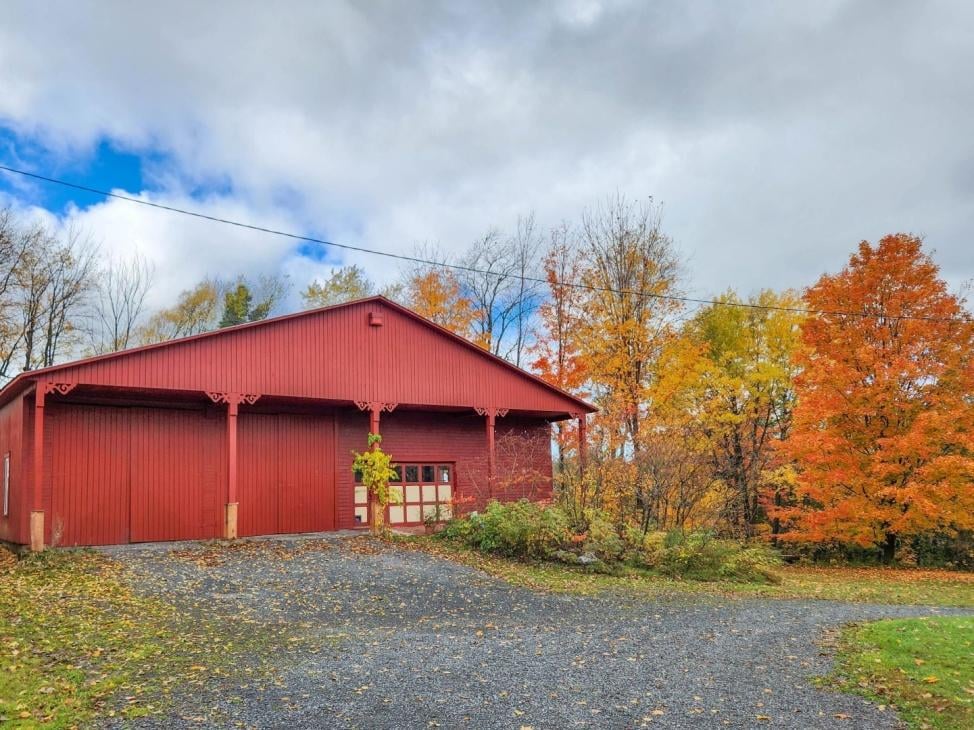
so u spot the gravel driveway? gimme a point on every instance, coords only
(396, 638)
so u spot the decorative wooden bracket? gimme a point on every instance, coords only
(233, 398)
(493, 412)
(368, 405)
(59, 388)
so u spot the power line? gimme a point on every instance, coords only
(462, 267)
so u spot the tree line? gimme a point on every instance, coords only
(837, 420)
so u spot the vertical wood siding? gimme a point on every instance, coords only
(257, 474)
(177, 477)
(287, 474)
(523, 455)
(90, 472)
(307, 487)
(13, 527)
(333, 354)
(116, 475)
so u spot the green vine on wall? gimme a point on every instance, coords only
(375, 469)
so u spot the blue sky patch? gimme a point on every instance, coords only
(104, 166)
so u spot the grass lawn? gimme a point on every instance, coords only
(923, 667)
(76, 642)
(864, 585)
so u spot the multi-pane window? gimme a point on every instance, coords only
(417, 492)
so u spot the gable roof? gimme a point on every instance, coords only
(23, 380)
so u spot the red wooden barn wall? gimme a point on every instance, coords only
(287, 473)
(116, 475)
(104, 467)
(523, 444)
(13, 527)
(333, 354)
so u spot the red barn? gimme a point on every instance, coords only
(250, 430)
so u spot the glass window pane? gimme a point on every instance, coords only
(361, 495)
(412, 473)
(444, 474)
(428, 473)
(413, 513)
(412, 493)
(358, 476)
(398, 469)
(397, 514)
(429, 492)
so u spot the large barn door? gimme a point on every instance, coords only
(285, 475)
(176, 480)
(307, 496)
(258, 456)
(89, 468)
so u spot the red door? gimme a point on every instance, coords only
(177, 479)
(257, 481)
(89, 468)
(286, 477)
(135, 474)
(307, 477)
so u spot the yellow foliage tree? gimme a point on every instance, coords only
(195, 311)
(436, 295)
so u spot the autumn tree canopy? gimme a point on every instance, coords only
(341, 285)
(725, 385)
(883, 431)
(436, 294)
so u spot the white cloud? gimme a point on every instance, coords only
(776, 137)
(184, 250)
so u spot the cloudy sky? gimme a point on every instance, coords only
(776, 135)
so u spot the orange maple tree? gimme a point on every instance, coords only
(883, 430)
(556, 350)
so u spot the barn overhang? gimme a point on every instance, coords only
(230, 403)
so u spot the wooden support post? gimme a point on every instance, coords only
(582, 444)
(491, 415)
(491, 453)
(233, 401)
(41, 390)
(37, 500)
(230, 520)
(374, 414)
(375, 409)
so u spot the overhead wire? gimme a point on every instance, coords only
(463, 267)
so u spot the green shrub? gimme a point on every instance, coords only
(602, 538)
(701, 556)
(529, 531)
(520, 529)
(644, 548)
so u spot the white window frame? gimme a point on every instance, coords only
(6, 484)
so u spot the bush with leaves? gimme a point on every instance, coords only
(519, 529)
(699, 555)
(527, 530)
(375, 469)
(602, 539)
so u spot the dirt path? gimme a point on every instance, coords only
(387, 638)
